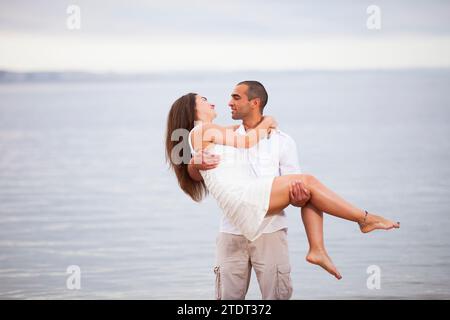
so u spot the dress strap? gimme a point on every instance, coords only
(189, 138)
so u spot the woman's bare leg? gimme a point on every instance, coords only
(317, 254)
(325, 200)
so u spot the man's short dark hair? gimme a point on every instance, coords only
(256, 90)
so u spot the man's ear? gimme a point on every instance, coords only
(256, 102)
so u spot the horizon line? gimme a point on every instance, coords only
(193, 71)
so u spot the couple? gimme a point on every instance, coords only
(252, 192)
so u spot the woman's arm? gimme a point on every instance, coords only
(222, 135)
(233, 127)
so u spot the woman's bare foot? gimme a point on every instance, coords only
(321, 258)
(373, 222)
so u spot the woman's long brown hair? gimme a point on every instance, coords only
(182, 116)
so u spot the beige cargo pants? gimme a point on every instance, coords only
(268, 255)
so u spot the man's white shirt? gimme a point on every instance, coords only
(273, 156)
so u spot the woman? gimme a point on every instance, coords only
(244, 198)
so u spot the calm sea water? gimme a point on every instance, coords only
(83, 182)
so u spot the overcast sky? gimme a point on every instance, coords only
(145, 36)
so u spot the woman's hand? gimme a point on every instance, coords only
(272, 123)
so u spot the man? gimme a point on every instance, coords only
(268, 254)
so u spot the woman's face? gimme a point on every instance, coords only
(205, 110)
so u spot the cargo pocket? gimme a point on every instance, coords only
(284, 284)
(218, 284)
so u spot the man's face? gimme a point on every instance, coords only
(239, 103)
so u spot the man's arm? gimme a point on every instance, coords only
(289, 164)
(194, 173)
(202, 160)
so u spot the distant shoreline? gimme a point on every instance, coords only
(85, 76)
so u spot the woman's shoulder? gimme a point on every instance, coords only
(196, 136)
(201, 134)
(205, 126)
(197, 130)
(209, 128)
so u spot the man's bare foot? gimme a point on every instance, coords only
(373, 222)
(321, 258)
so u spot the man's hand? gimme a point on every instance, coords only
(298, 194)
(204, 160)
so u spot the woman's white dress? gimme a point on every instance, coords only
(243, 197)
